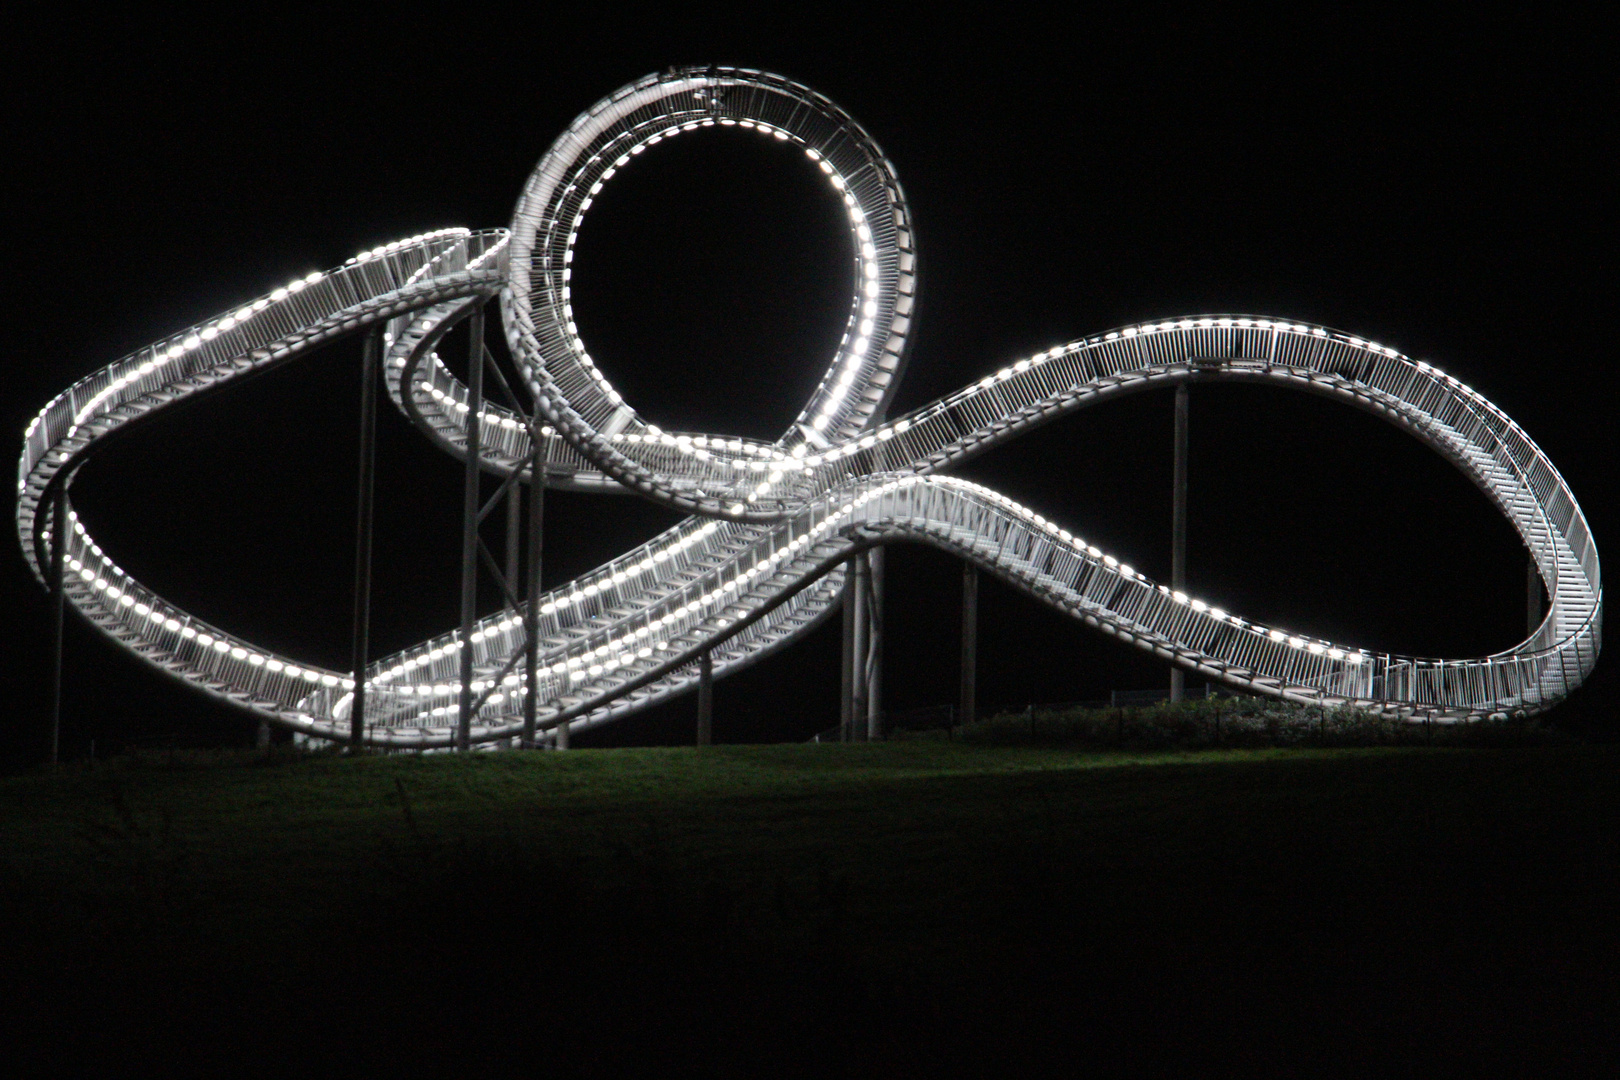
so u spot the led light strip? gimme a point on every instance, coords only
(782, 514)
(538, 307)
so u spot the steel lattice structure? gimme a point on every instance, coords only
(761, 559)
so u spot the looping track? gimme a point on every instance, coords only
(760, 562)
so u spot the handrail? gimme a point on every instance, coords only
(759, 563)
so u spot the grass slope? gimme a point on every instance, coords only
(917, 906)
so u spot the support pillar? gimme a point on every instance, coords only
(967, 708)
(469, 523)
(857, 650)
(514, 524)
(705, 699)
(1178, 524)
(531, 607)
(874, 645)
(59, 534)
(846, 690)
(1532, 598)
(370, 357)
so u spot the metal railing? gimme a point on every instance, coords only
(763, 562)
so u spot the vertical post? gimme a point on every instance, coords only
(1178, 523)
(59, 533)
(968, 710)
(514, 522)
(705, 703)
(531, 609)
(846, 699)
(858, 648)
(1532, 598)
(469, 521)
(874, 645)
(361, 642)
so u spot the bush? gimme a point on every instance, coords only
(1238, 722)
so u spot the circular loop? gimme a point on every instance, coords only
(709, 474)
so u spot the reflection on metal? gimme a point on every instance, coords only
(762, 560)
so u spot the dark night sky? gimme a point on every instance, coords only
(1444, 189)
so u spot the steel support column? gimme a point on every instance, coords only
(1178, 523)
(59, 534)
(846, 690)
(360, 645)
(514, 523)
(858, 648)
(469, 522)
(874, 645)
(705, 699)
(969, 704)
(531, 607)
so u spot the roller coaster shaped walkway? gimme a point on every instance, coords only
(761, 560)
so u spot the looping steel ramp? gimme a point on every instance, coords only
(761, 559)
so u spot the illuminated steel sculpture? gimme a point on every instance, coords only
(762, 558)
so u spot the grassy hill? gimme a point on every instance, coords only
(915, 906)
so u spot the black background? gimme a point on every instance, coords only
(1444, 188)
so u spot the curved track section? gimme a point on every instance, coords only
(574, 394)
(762, 562)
